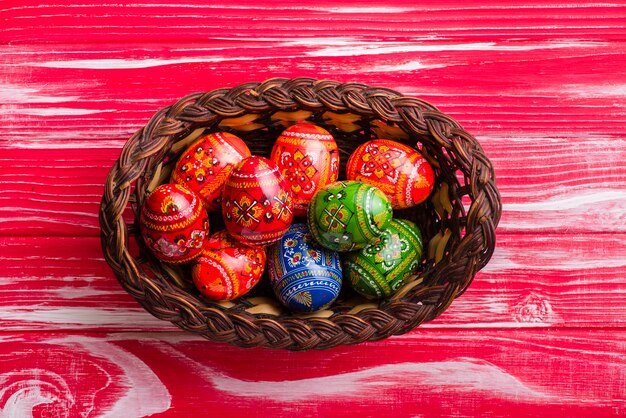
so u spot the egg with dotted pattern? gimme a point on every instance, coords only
(308, 158)
(257, 206)
(206, 164)
(227, 269)
(398, 170)
(174, 223)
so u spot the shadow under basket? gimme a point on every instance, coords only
(458, 220)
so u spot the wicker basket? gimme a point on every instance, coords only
(458, 221)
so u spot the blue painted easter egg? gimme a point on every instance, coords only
(305, 276)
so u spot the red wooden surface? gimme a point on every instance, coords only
(542, 86)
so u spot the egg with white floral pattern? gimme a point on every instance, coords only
(206, 164)
(305, 276)
(399, 171)
(381, 268)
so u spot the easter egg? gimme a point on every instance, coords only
(379, 269)
(206, 164)
(308, 158)
(348, 215)
(397, 169)
(227, 268)
(305, 277)
(174, 223)
(257, 206)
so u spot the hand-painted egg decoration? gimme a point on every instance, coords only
(308, 158)
(304, 276)
(174, 223)
(348, 215)
(257, 206)
(397, 169)
(379, 269)
(206, 164)
(227, 269)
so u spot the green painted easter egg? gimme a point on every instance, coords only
(348, 215)
(380, 269)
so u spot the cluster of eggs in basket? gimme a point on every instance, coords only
(291, 215)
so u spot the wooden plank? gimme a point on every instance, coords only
(113, 90)
(543, 280)
(547, 280)
(577, 373)
(152, 21)
(52, 191)
(564, 184)
(459, 56)
(64, 283)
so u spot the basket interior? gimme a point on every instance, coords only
(260, 142)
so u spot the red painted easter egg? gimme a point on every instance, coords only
(308, 158)
(398, 170)
(206, 164)
(257, 205)
(174, 223)
(227, 268)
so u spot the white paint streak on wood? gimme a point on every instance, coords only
(365, 9)
(59, 140)
(10, 94)
(579, 200)
(487, 325)
(33, 387)
(595, 90)
(41, 223)
(127, 63)
(77, 317)
(414, 65)
(145, 393)
(51, 111)
(463, 374)
(73, 292)
(14, 209)
(538, 258)
(378, 48)
(313, 47)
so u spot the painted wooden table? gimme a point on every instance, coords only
(541, 331)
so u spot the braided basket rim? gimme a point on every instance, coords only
(469, 223)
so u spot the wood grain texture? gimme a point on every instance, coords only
(575, 373)
(581, 188)
(541, 84)
(533, 280)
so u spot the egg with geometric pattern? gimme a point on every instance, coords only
(308, 158)
(227, 269)
(257, 206)
(398, 170)
(206, 164)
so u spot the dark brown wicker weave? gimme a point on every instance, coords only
(458, 222)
